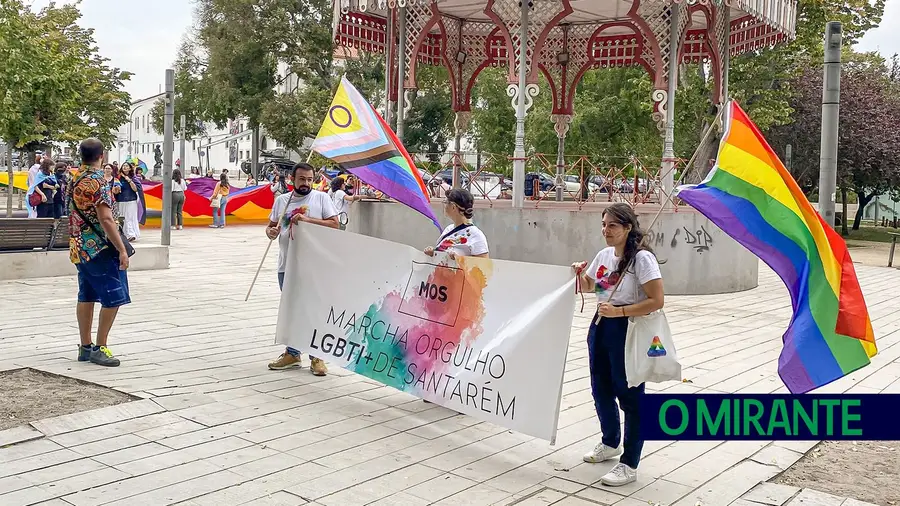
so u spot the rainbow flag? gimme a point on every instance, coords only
(355, 136)
(752, 197)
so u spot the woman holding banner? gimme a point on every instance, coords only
(627, 281)
(462, 237)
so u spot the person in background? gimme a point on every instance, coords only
(342, 200)
(59, 198)
(32, 174)
(629, 262)
(128, 202)
(179, 186)
(142, 203)
(221, 190)
(504, 194)
(100, 257)
(307, 206)
(279, 187)
(45, 185)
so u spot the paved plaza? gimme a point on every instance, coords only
(214, 427)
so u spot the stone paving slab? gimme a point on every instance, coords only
(215, 427)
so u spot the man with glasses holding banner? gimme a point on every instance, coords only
(301, 205)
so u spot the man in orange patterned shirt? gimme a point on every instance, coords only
(99, 255)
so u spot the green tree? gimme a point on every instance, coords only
(244, 42)
(56, 87)
(493, 119)
(429, 126)
(868, 162)
(188, 101)
(291, 118)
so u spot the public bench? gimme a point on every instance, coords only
(29, 234)
(39, 248)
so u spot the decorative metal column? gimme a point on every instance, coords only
(388, 64)
(726, 54)
(561, 124)
(401, 73)
(519, 94)
(668, 158)
(461, 125)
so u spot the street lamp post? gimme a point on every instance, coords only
(168, 148)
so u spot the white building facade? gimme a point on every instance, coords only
(215, 148)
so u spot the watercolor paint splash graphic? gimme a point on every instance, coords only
(468, 326)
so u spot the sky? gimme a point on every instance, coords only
(143, 36)
(139, 36)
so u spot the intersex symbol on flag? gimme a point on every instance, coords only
(355, 136)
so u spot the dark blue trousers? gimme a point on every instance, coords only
(606, 352)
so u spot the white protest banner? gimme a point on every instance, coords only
(487, 338)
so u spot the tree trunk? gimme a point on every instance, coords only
(705, 153)
(863, 201)
(9, 187)
(844, 231)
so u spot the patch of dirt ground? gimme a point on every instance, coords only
(865, 470)
(870, 253)
(27, 395)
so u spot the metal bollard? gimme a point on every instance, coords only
(891, 257)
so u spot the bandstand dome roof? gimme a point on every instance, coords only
(564, 38)
(778, 15)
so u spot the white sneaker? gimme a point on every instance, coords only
(600, 453)
(619, 475)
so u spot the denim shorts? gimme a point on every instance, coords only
(100, 280)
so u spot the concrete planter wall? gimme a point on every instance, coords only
(48, 264)
(698, 258)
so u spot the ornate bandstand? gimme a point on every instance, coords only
(561, 39)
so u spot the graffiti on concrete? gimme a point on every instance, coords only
(700, 240)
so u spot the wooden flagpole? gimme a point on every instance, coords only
(669, 196)
(269, 246)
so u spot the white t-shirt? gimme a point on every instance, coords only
(318, 206)
(179, 187)
(32, 174)
(469, 241)
(340, 204)
(631, 291)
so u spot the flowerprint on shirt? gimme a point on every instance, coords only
(286, 221)
(461, 237)
(605, 280)
(89, 191)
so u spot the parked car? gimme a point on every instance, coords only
(573, 184)
(546, 183)
(447, 176)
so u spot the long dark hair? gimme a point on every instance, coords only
(624, 215)
(463, 200)
(176, 176)
(223, 180)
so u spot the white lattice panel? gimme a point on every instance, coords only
(417, 17)
(509, 14)
(474, 42)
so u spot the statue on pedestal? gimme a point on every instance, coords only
(157, 155)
